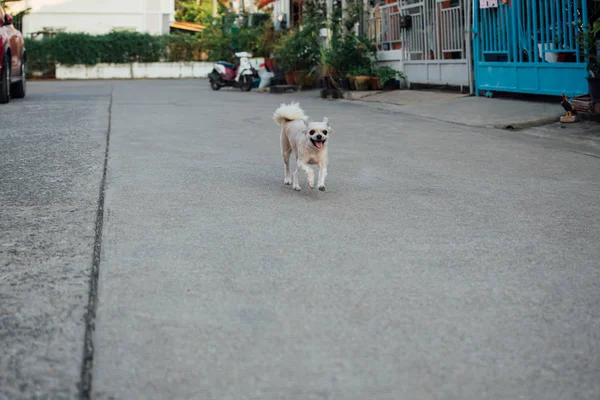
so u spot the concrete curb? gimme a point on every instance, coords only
(546, 120)
(526, 124)
(359, 95)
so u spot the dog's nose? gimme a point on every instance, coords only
(319, 137)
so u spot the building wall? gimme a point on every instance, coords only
(97, 16)
(281, 9)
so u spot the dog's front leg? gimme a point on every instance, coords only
(295, 183)
(310, 174)
(322, 175)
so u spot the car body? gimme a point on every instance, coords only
(13, 60)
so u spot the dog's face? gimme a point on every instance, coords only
(317, 133)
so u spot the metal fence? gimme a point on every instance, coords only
(437, 32)
(435, 48)
(540, 28)
(451, 26)
(374, 26)
(390, 26)
(531, 46)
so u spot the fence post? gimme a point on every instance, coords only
(475, 37)
(469, 36)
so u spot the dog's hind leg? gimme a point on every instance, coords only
(295, 183)
(286, 150)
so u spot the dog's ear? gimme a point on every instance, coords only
(326, 122)
(306, 121)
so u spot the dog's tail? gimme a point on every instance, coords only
(286, 113)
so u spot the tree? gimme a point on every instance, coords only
(196, 11)
(16, 16)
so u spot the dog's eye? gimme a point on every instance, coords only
(324, 132)
(312, 132)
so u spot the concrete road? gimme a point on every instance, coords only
(52, 147)
(442, 262)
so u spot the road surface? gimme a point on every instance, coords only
(442, 262)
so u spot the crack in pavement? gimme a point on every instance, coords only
(90, 317)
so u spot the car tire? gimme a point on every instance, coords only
(18, 89)
(5, 82)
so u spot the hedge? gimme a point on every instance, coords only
(114, 47)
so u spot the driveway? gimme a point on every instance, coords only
(442, 262)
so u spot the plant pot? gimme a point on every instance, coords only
(325, 82)
(375, 83)
(310, 80)
(300, 78)
(362, 82)
(594, 89)
(391, 84)
(345, 83)
(290, 78)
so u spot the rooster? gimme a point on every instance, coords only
(567, 106)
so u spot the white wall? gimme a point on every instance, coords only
(159, 70)
(176, 70)
(391, 58)
(97, 16)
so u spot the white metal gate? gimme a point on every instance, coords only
(437, 47)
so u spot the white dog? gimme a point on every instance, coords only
(307, 139)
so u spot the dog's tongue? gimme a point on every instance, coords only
(319, 144)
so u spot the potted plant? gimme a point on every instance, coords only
(345, 82)
(300, 77)
(589, 44)
(593, 64)
(387, 77)
(350, 55)
(362, 78)
(287, 56)
(375, 82)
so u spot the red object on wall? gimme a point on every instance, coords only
(263, 3)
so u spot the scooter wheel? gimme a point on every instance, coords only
(245, 83)
(215, 85)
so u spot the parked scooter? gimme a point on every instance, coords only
(227, 74)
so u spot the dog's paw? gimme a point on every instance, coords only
(287, 181)
(297, 188)
(311, 184)
(322, 188)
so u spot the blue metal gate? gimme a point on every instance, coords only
(530, 46)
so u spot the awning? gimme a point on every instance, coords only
(187, 26)
(263, 3)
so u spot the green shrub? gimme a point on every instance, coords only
(39, 55)
(350, 53)
(300, 49)
(214, 43)
(183, 48)
(386, 73)
(114, 47)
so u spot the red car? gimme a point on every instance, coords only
(13, 60)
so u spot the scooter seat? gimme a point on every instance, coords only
(226, 64)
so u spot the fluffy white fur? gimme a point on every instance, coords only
(307, 139)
